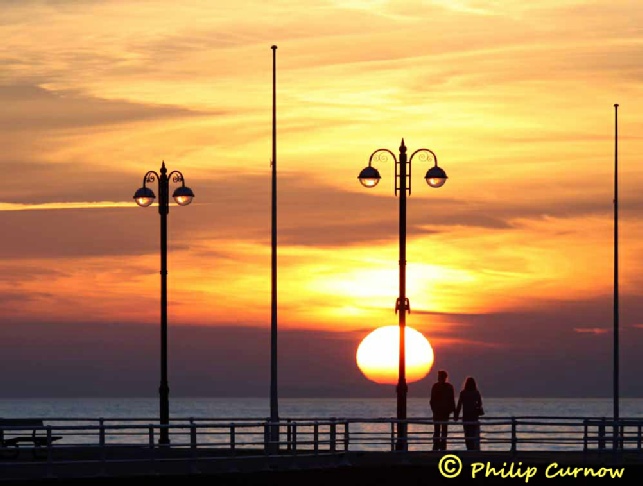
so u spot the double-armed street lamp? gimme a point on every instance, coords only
(144, 197)
(370, 177)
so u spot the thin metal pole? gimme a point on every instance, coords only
(616, 303)
(402, 308)
(274, 410)
(164, 390)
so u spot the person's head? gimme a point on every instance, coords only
(470, 384)
(442, 376)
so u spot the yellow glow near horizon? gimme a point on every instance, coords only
(523, 222)
(378, 355)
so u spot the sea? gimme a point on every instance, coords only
(544, 423)
(259, 408)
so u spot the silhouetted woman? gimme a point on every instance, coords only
(470, 403)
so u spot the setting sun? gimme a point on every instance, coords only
(378, 355)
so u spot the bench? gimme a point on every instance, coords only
(36, 425)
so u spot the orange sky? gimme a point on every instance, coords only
(515, 99)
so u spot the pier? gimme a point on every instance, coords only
(240, 451)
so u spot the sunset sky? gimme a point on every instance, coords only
(510, 263)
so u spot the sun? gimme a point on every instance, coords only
(378, 355)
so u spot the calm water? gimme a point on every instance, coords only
(305, 407)
(534, 434)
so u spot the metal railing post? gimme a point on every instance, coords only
(233, 447)
(50, 470)
(101, 444)
(150, 435)
(193, 448)
(316, 437)
(621, 437)
(601, 434)
(266, 436)
(346, 436)
(233, 439)
(333, 434)
(392, 435)
(288, 434)
(193, 441)
(514, 435)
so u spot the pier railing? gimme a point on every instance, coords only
(341, 434)
(130, 446)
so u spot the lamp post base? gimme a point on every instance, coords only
(271, 437)
(402, 443)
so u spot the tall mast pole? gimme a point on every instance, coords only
(616, 313)
(274, 410)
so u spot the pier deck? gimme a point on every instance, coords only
(80, 466)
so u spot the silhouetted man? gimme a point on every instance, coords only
(442, 405)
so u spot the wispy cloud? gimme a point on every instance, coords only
(63, 205)
(33, 108)
(591, 330)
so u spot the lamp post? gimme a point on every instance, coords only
(370, 177)
(616, 293)
(144, 197)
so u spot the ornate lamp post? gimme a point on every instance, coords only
(370, 177)
(144, 197)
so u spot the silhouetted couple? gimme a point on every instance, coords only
(443, 405)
